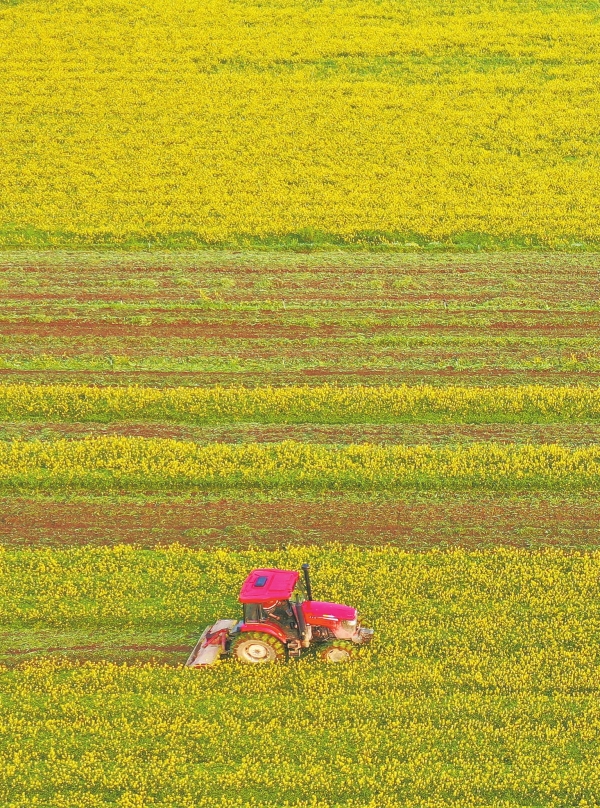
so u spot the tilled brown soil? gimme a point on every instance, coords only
(411, 434)
(256, 315)
(575, 326)
(310, 376)
(415, 522)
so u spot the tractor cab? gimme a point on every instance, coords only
(266, 599)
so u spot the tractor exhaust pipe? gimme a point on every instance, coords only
(305, 568)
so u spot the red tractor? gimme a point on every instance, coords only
(276, 627)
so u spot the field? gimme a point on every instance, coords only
(265, 318)
(282, 123)
(254, 320)
(481, 689)
(423, 429)
(287, 281)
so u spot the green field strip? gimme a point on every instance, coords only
(378, 241)
(307, 362)
(154, 318)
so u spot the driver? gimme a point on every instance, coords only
(281, 611)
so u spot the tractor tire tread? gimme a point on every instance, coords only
(345, 645)
(262, 637)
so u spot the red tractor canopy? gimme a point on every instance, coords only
(269, 584)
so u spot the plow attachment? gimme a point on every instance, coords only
(211, 644)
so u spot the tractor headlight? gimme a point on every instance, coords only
(349, 625)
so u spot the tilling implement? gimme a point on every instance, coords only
(276, 625)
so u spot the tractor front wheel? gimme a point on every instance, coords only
(254, 647)
(338, 651)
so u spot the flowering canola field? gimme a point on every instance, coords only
(277, 122)
(481, 689)
(126, 463)
(323, 404)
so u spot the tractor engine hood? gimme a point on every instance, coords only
(321, 613)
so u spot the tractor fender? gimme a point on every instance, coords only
(265, 628)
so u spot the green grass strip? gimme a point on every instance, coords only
(305, 239)
(133, 464)
(323, 404)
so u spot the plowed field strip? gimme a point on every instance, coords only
(412, 434)
(372, 317)
(63, 267)
(411, 521)
(182, 344)
(258, 331)
(477, 376)
(155, 652)
(319, 280)
(54, 305)
(401, 352)
(26, 318)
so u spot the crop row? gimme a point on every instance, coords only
(129, 463)
(480, 688)
(321, 404)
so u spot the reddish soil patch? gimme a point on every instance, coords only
(311, 292)
(566, 434)
(183, 330)
(392, 376)
(578, 328)
(186, 329)
(414, 523)
(457, 373)
(174, 655)
(73, 295)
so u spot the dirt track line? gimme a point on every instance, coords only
(96, 647)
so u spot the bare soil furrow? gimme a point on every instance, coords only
(410, 434)
(260, 330)
(254, 378)
(416, 521)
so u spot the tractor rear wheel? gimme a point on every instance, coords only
(338, 651)
(254, 647)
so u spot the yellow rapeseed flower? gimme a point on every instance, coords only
(217, 120)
